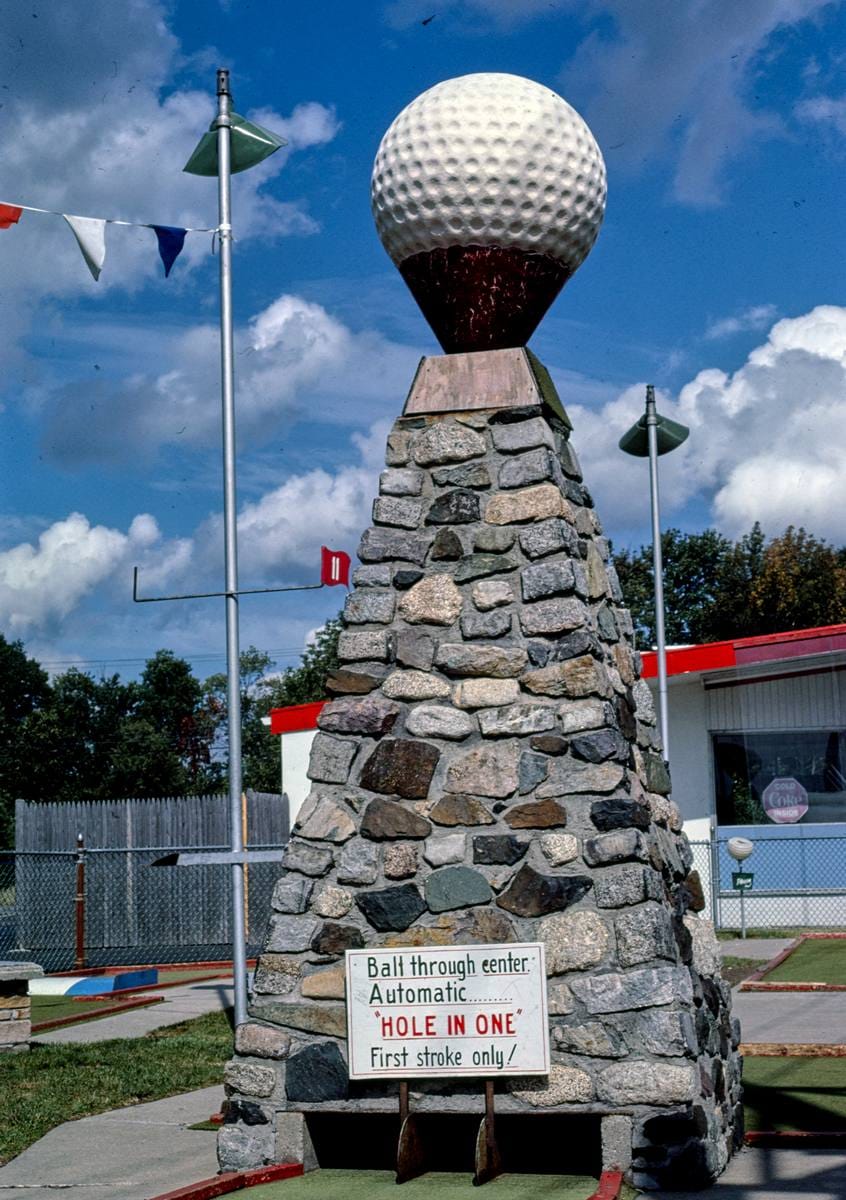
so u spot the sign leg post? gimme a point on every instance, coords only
(488, 1161)
(410, 1156)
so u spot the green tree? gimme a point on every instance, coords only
(691, 581)
(100, 739)
(261, 691)
(716, 589)
(24, 690)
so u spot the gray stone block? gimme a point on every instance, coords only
(363, 644)
(516, 720)
(523, 435)
(399, 481)
(616, 1135)
(331, 758)
(290, 934)
(372, 575)
(644, 933)
(645, 988)
(456, 887)
(291, 894)
(368, 606)
(552, 616)
(311, 860)
(493, 624)
(548, 537)
(534, 466)
(546, 579)
(293, 1141)
(392, 510)
(380, 544)
(358, 862)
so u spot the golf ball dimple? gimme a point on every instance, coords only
(491, 160)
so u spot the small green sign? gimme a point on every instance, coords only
(742, 881)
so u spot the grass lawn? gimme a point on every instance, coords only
(795, 1093)
(57, 1083)
(381, 1185)
(815, 961)
(736, 969)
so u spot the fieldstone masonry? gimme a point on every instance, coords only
(489, 770)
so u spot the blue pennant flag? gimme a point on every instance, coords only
(171, 241)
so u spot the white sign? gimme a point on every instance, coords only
(428, 1011)
(785, 801)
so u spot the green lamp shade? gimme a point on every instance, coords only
(670, 435)
(251, 144)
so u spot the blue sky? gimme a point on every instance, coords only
(718, 276)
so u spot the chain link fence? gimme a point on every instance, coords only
(797, 882)
(96, 908)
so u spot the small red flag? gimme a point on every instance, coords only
(334, 567)
(10, 214)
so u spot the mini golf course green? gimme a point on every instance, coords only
(807, 1094)
(816, 960)
(435, 1185)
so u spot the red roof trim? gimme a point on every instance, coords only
(295, 718)
(715, 656)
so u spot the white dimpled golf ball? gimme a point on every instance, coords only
(489, 160)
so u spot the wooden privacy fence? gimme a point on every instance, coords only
(133, 911)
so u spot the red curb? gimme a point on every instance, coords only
(610, 1186)
(776, 1139)
(109, 1011)
(772, 963)
(234, 1181)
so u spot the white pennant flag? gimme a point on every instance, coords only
(90, 233)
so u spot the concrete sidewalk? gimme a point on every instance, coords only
(758, 1174)
(127, 1154)
(179, 1004)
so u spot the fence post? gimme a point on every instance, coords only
(79, 902)
(715, 879)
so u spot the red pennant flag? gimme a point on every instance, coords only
(334, 567)
(10, 214)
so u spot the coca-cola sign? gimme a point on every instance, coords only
(785, 801)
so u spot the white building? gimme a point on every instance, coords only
(757, 731)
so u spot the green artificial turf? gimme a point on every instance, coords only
(819, 960)
(795, 1093)
(381, 1185)
(56, 1083)
(51, 1008)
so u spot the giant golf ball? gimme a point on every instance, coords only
(488, 192)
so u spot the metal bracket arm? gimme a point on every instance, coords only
(305, 587)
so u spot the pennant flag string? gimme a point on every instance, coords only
(5, 206)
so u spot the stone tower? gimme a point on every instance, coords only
(489, 771)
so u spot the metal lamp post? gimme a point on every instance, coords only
(232, 144)
(648, 437)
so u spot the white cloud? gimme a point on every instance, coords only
(671, 80)
(42, 583)
(764, 444)
(73, 563)
(750, 320)
(105, 136)
(293, 358)
(827, 111)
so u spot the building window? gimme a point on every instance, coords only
(753, 774)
